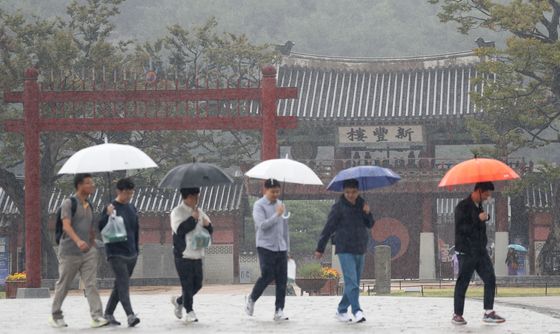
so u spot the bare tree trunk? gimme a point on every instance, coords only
(549, 258)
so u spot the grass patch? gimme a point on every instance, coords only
(478, 292)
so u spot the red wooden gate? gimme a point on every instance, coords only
(33, 123)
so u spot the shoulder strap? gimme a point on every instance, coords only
(74, 206)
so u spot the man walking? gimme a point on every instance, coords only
(77, 253)
(349, 220)
(191, 236)
(272, 238)
(122, 256)
(470, 246)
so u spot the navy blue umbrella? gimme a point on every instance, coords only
(369, 177)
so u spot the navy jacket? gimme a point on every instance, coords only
(128, 248)
(350, 226)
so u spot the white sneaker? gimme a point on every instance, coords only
(249, 306)
(99, 322)
(57, 323)
(360, 317)
(191, 317)
(178, 307)
(343, 317)
(280, 316)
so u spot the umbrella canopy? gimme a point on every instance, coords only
(369, 177)
(518, 248)
(196, 174)
(477, 170)
(107, 157)
(285, 170)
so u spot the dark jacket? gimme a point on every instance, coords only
(128, 248)
(470, 231)
(350, 225)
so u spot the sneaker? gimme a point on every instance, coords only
(178, 307)
(493, 318)
(279, 315)
(458, 320)
(99, 322)
(57, 323)
(360, 317)
(343, 317)
(249, 306)
(191, 317)
(112, 320)
(133, 320)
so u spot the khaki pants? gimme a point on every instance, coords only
(69, 267)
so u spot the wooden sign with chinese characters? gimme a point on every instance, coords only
(380, 135)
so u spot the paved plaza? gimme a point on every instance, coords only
(220, 310)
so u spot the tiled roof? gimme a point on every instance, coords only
(539, 198)
(384, 89)
(151, 200)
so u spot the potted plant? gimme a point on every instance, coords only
(13, 282)
(310, 278)
(331, 286)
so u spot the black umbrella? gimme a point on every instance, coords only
(196, 174)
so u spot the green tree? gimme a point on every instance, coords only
(79, 50)
(519, 85)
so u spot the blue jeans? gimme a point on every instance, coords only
(352, 266)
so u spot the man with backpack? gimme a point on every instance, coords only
(77, 252)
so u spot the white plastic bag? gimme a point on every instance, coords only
(200, 239)
(114, 231)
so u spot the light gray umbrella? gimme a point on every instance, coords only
(196, 174)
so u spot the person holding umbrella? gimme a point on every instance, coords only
(188, 222)
(512, 262)
(272, 237)
(349, 221)
(122, 255)
(470, 246)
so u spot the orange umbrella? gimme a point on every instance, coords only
(477, 170)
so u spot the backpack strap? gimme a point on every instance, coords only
(74, 205)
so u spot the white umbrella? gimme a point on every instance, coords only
(107, 158)
(285, 170)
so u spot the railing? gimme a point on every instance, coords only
(440, 287)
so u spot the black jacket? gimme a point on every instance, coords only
(350, 225)
(470, 231)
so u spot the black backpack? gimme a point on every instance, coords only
(58, 227)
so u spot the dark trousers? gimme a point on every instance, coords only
(468, 264)
(274, 267)
(190, 274)
(123, 268)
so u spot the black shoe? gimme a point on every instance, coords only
(458, 320)
(112, 320)
(133, 320)
(493, 318)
